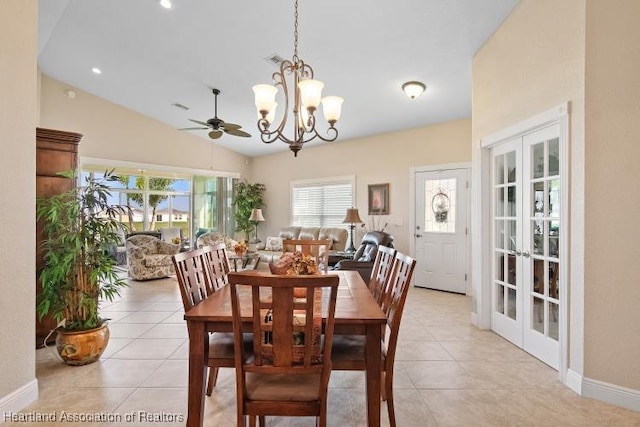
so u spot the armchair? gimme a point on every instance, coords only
(365, 256)
(149, 258)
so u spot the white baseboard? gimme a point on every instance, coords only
(474, 319)
(19, 399)
(574, 381)
(610, 393)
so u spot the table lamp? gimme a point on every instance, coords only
(256, 217)
(352, 218)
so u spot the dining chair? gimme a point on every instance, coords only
(286, 373)
(381, 272)
(217, 266)
(318, 249)
(192, 275)
(349, 350)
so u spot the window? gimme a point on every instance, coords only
(321, 203)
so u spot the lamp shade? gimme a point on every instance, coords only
(310, 93)
(332, 107)
(265, 97)
(256, 215)
(353, 217)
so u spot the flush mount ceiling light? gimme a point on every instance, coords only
(166, 4)
(413, 89)
(96, 70)
(305, 99)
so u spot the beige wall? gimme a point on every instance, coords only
(533, 62)
(18, 86)
(585, 52)
(612, 202)
(117, 133)
(372, 160)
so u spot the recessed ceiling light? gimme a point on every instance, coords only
(166, 4)
(96, 70)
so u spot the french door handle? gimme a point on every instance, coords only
(418, 235)
(526, 254)
(516, 252)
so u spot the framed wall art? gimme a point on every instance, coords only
(379, 199)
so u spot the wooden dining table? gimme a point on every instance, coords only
(357, 313)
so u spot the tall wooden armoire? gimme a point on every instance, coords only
(56, 151)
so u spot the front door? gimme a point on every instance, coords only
(441, 232)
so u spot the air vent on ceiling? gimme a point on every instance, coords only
(180, 106)
(274, 59)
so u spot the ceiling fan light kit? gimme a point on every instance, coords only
(306, 96)
(217, 125)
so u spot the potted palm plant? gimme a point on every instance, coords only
(80, 227)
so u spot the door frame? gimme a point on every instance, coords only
(413, 171)
(481, 217)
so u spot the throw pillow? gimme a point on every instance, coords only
(273, 244)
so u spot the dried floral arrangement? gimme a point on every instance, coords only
(294, 264)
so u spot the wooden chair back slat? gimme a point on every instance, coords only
(381, 272)
(217, 263)
(191, 274)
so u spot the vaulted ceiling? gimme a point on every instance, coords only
(363, 50)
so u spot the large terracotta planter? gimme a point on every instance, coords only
(83, 347)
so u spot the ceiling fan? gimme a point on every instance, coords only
(218, 126)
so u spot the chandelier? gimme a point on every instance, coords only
(304, 93)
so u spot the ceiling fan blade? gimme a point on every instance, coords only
(201, 128)
(237, 132)
(215, 134)
(231, 126)
(200, 123)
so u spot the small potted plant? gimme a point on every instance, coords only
(80, 228)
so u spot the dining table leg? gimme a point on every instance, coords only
(373, 365)
(198, 354)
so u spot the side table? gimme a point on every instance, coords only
(248, 261)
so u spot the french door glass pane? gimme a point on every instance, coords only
(554, 157)
(511, 166)
(537, 151)
(511, 303)
(499, 177)
(499, 202)
(499, 242)
(553, 321)
(537, 318)
(500, 299)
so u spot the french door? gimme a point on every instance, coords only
(526, 221)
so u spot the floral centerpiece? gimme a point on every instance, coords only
(176, 240)
(240, 248)
(294, 264)
(302, 265)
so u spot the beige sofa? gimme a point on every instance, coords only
(270, 252)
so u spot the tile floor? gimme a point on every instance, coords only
(448, 373)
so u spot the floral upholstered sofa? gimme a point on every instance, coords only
(271, 249)
(149, 257)
(213, 238)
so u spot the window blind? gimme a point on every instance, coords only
(321, 204)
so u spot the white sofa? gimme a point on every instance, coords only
(269, 251)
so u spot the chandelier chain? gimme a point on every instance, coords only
(295, 33)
